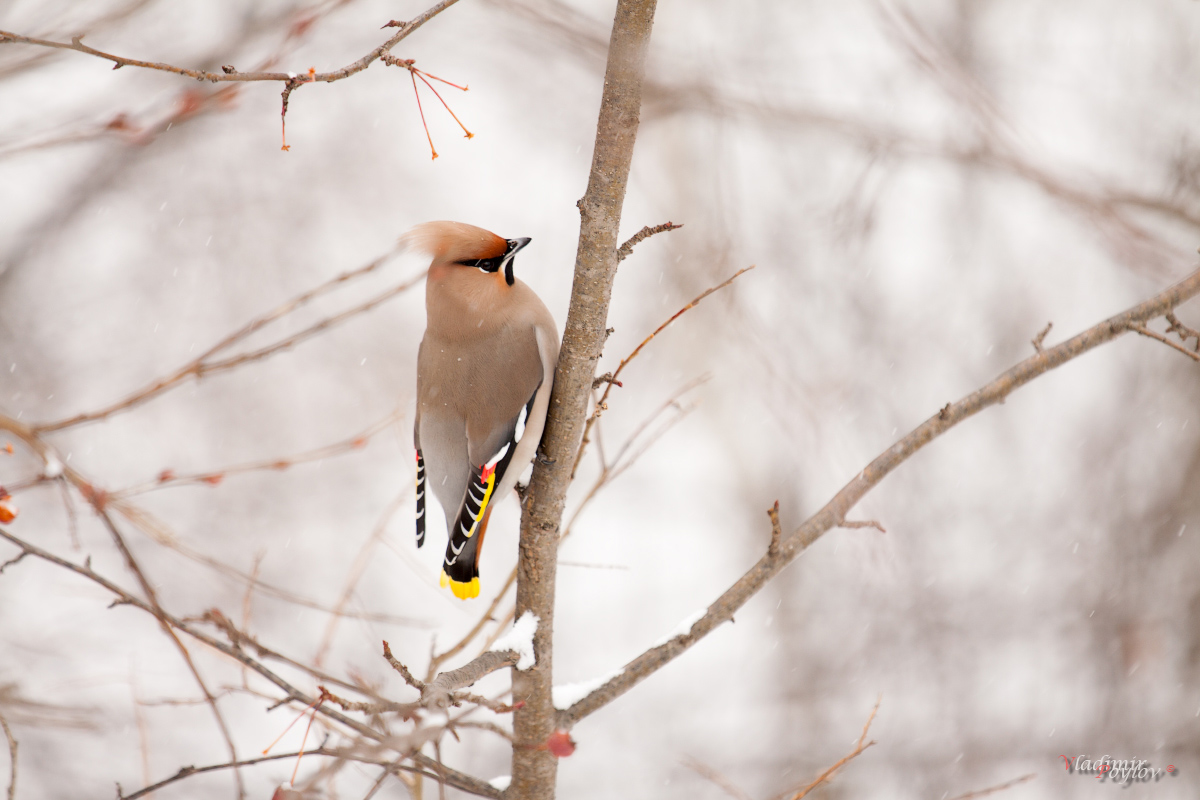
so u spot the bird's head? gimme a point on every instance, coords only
(461, 245)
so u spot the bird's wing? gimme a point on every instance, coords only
(420, 497)
(460, 570)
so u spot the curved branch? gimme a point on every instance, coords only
(834, 512)
(626, 250)
(349, 755)
(452, 777)
(230, 75)
(439, 692)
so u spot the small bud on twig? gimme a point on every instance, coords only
(1041, 337)
(776, 530)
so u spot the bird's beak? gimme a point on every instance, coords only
(514, 245)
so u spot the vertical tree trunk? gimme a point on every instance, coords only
(534, 769)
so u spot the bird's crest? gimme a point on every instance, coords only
(447, 241)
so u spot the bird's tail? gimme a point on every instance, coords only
(461, 572)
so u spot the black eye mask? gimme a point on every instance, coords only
(504, 262)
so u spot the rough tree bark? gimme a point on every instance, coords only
(533, 769)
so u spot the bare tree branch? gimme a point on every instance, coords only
(862, 523)
(400, 668)
(157, 609)
(1182, 331)
(601, 404)
(1041, 337)
(231, 75)
(1108, 206)
(348, 754)
(776, 530)
(1144, 331)
(438, 659)
(626, 250)
(534, 769)
(351, 443)
(626, 456)
(12, 757)
(357, 569)
(828, 774)
(454, 778)
(439, 693)
(205, 364)
(716, 778)
(157, 531)
(993, 789)
(834, 512)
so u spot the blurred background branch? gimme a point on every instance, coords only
(922, 187)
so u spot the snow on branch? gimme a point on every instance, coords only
(569, 694)
(520, 640)
(683, 628)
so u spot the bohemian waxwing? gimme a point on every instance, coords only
(484, 374)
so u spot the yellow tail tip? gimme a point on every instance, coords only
(463, 591)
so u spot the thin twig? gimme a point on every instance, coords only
(1144, 331)
(501, 625)
(437, 752)
(714, 777)
(454, 778)
(776, 530)
(486, 726)
(213, 477)
(158, 531)
(993, 789)
(403, 670)
(139, 717)
(12, 757)
(187, 772)
(626, 457)
(1181, 330)
(863, 523)
(248, 603)
(168, 629)
(205, 364)
(14, 560)
(405, 710)
(224, 76)
(241, 639)
(357, 569)
(828, 774)
(375, 787)
(1041, 337)
(64, 487)
(601, 404)
(626, 250)
(437, 660)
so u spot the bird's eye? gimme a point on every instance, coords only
(485, 264)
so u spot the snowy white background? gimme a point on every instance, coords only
(922, 187)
